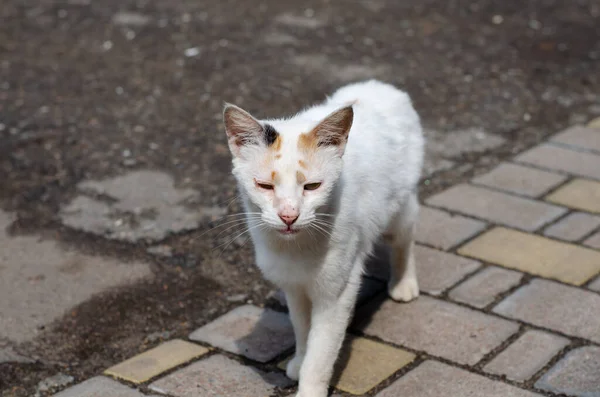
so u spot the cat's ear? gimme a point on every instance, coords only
(334, 129)
(242, 129)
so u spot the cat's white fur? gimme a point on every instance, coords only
(369, 187)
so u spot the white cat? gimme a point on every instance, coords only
(319, 189)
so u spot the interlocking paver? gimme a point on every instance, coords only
(527, 355)
(219, 376)
(593, 241)
(481, 289)
(520, 179)
(155, 361)
(580, 194)
(555, 306)
(100, 387)
(573, 227)
(437, 327)
(562, 159)
(595, 285)
(522, 213)
(439, 270)
(259, 334)
(579, 136)
(536, 255)
(578, 374)
(434, 379)
(443, 230)
(363, 364)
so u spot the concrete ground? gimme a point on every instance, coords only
(114, 171)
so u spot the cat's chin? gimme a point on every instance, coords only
(288, 233)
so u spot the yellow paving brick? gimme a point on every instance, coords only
(581, 194)
(363, 364)
(594, 123)
(149, 364)
(536, 255)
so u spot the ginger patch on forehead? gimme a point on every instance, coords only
(300, 177)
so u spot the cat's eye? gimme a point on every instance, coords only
(266, 186)
(312, 186)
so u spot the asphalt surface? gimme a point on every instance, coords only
(94, 89)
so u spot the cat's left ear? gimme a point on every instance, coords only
(242, 129)
(334, 129)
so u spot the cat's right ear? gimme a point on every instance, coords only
(242, 129)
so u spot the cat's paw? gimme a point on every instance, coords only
(293, 368)
(404, 291)
(313, 392)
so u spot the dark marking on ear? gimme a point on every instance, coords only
(270, 134)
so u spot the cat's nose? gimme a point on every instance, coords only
(288, 218)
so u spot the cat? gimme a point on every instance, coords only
(319, 189)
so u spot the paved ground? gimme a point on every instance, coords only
(114, 167)
(509, 266)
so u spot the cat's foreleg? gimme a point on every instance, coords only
(329, 321)
(403, 285)
(300, 307)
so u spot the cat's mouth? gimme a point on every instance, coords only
(288, 231)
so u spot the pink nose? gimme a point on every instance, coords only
(288, 219)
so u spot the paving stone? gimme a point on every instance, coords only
(100, 387)
(595, 123)
(520, 179)
(580, 194)
(580, 136)
(443, 230)
(555, 306)
(497, 207)
(53, 382)
(483, 288)
(527, 355)
(536, 255)
(434, 379)
(40, 279)
(8, 355)
(219, 376)
(149, 364)
(143, 205)
(573, 227)
(562, 159)
(578, 374)
(593, 241)
(363, 364)
(437, 270)
(437, 327)
(595, 285)
(258, 334)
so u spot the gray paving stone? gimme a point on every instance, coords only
(99, 387)
(8, 355)
(144, 205)
(595, 285)
(555, 306)
(258, 334)
(497, 207)
(580, 136)
(219, 376)
(436, 270)
(443, 230)
(41, 279)
(562, 159)
(520, 179)
(593, 241)
(434, 379)
(437, 327)
(573, 227)
(578, 374)
(481, 289)
(527, 355)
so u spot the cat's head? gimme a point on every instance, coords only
(288, 168)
